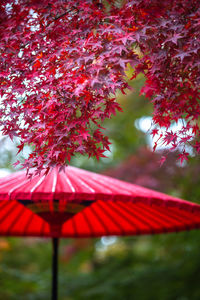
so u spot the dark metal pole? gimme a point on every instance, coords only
(55, 242)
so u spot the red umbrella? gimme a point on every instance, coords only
(79, 203)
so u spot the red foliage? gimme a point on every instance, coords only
(62, 62)
(169, 37)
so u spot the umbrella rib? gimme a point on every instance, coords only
(173, 218)
(108, 185)
(121, 213)
(111, 218)
(100, 220)
(169, 221)
(136, 216)
(129, 186)
(164, 214)
(69, 183)
(190, 216)
(21, 212)
(37, 184)
(157, 218)
(132, 189)
(94, 182)
(10, 181)
(85, 185)
(88, 223)
(16, 187)
(140, 218)
(54, 182)
(178, 218)
(8, 212)
(4, 204)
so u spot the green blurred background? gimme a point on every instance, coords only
(161, 267)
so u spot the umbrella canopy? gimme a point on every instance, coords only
(79, 203)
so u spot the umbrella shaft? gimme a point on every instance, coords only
(55, 242)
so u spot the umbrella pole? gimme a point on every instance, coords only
(55, 242)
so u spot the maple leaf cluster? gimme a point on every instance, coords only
(168, 34)
(62, 63)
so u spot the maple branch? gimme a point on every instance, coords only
(66, 12)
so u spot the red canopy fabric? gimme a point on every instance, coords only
(79, 203)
